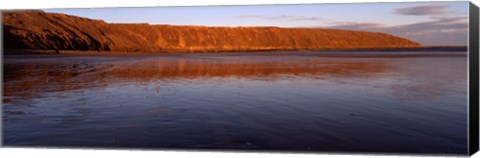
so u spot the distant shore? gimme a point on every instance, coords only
(437, 51)
(80, 52)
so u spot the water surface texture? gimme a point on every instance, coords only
(288, 101)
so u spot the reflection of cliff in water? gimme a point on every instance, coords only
(406, 78)
(26, 78)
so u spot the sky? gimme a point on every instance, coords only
(429, 23)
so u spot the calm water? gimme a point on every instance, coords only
(291, 101)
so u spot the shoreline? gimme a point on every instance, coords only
(274, 51)
(326, 54)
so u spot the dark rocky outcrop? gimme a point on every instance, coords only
(52, 31)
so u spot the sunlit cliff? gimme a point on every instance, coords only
(39, 30)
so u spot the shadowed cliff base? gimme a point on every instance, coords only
(37, 30)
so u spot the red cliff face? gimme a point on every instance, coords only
(43, 31)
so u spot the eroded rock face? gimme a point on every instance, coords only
(44, 31)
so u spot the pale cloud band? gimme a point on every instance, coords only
(282, 17)
(442, 29)
(444, 26)
(428, 9)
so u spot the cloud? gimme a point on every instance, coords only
(439, 31)
(282, 17)
(442, 29)
(428, 9)
(356, 25)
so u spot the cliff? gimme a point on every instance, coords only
(38, 30)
